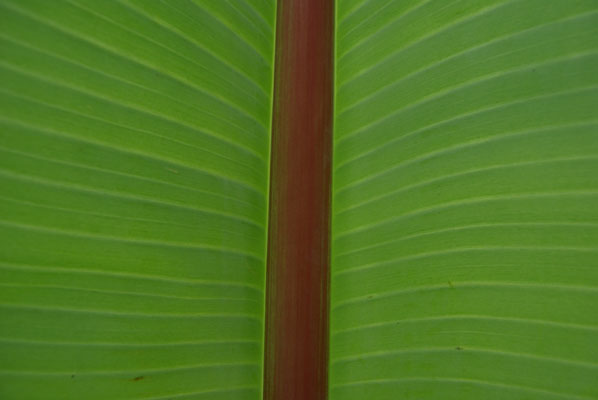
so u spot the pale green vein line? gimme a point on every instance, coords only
(354, 10)
(129, 371)
(108, 216)
(182, 35)
(112, 147)
(467, 51)
(462, 146)
(213, 173)
(366, 20)
(234, 32)
(480, 350)
(27, 342)
(476, 200)
(132, 275)
(256, 13)
(231, 28)
(441, 178)
(105, 47)
(122, 292)
(490, 384)
(159, 243)
(456, 250)
(467, 284)
(170, 316)
(470, 17)
(468, 114)
(457, 228)
(544, 323)
(114, 102)
(393, 21)
(202, 130)
(262, 21)
(127, 195)
(99, 192)
(178, 33)
(202, 392)
(447, 91)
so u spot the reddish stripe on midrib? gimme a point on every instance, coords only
(296, 347)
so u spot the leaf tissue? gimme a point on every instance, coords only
(298, 199)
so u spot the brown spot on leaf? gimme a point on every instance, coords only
(137, 378)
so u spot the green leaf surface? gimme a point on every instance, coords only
(134, 167)
(134, 152)
(465, 208)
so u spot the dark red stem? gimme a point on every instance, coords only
(296, 349)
